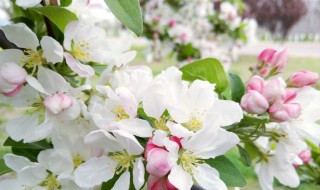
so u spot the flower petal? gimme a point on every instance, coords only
(129, 142)
(230, 112)
(11, 55)
(27, 4)
(82, 70)
(32, 175)
(34, 83)
(56, 160)
(103, 139)
(15, 162)
(138, 173)
(94, 171)
(180, 178)
(21, 36)
(137, 127)
(208, 178)
(52, 50)
(123, 183)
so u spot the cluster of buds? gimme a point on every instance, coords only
(270, 62)
(276, 96)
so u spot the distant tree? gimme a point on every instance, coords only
(278, 16)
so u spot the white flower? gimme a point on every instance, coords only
(25, 38)
(121, 152)
(306, 125)
(189, 162)
(27, 3)
(279, 157)
(198, 107)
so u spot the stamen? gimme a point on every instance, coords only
(51, 182)
(123, 159)
(121, 113)
(31, 58)
(81, 51)
(161, 124)
(189, 162)
(77, 160)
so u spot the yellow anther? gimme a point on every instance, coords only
(31, 58)
(123, 159)
(51, 182)
(77, 160)
(121, 113)
(81, 51)
(189, 162)
(161, 124)
(193, 125)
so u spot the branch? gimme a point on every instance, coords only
(5, 43)
(47, 22)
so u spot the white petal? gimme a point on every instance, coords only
(21, 36)
(178, 130)
(123, 183)
(82, 70)
(137, 127)
(69, 34)
(32, 175)
(123, 59)
(44, 129)
(138, 173)
(23, 127)
(180, 178)
(159, 137)
(213, 145)
(11, 55)
(52, 50)
(56, 160)
(129, 142)
(102, 116)
(264, 175)
(173, 149)
(12, 184)
(208, 178)
(103, 139)
(288, 177)
(27, 4)
(26, 97)
(34, 83)
(15, 162)
(230, 112)
(52, 81)
(94, 171)
(154, 103)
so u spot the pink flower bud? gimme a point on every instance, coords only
(12, 77)
(255, 83)
(157, 163)
(149, 147)
(305, 156)
(254, 102)
(184, 37)
(303, 78)
(290, 95)
(54, 2)
(266, 55)
(279, 60)
(155, 36)
(172, 23)
(176, 140)
(57, 103)
(274, 90)
(155, 183)
(284, 112)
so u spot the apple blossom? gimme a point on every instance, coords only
(12, 78)
(303, 78)
(305, 156)
(254, 102)
(256, 83)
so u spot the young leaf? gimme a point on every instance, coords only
(229, 174)
(209, 69)
(245, 158)
(236, 86)
(41, 145)
(58, 15)
(3, 168)
(109, 184)
(128, 12)
(65, 3)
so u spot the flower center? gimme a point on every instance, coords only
(123, 159)
(121, 113)
(194, 124)
(77, 160)
(51, 182)
(31, 58)
(161, 124)
(189, 161)
(81, 51)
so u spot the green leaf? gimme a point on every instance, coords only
(236, 86)
(229, 174)
(128, 12)
(245, 157)
(65, 3)
(209, 69)
(3, 168)
(58, 15)
(41, 145)
(109, 184)
(251, 149)
(25, 20)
